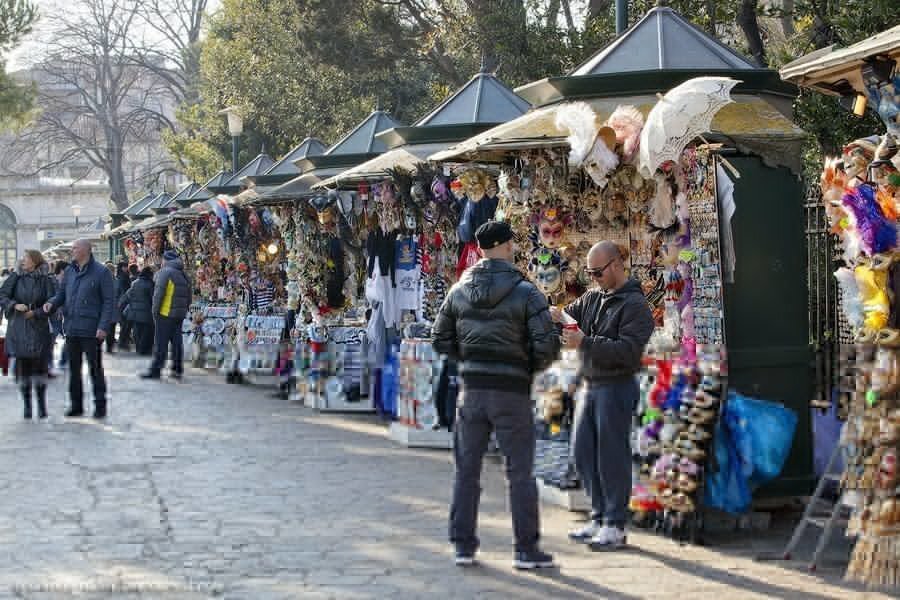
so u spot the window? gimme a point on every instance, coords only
(7, 238)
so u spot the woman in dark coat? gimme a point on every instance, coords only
(28, 339)
(137, 305)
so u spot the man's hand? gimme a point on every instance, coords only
(556, 314)
(21, 308)
(29, 315)
(571, 338)
(101, 335)
(48, 307)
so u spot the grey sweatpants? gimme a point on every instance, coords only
(601, 445)
(509, 414)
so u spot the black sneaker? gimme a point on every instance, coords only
(99, 415)
(464, 558)
(535, 559)
(150, 375)
(74, 413)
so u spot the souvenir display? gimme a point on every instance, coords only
(420, 367)
(861, 191)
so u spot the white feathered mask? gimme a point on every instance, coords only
(592, 144)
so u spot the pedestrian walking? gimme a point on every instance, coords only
(57, 321)
(22, 298)
(171, 301)
(126, 331)
(86, 296)
(123, 283)
(496, 325)
(614, 325)
(137, 307)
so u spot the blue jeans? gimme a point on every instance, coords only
(601, 445)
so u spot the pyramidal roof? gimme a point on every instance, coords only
(483, 99)
(159, 202)
(362, 139)
(204, 192)
(663, 39)
(308, 147)
(139, 207)
(257, 166)
(184, 193)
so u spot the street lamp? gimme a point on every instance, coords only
(236, 129)
(76, 211)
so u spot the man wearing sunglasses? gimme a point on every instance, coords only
(614, 325)
(496, 325)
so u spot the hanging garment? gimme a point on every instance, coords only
(334, 286)
(474, 215)
(408, 276)
(727, 207)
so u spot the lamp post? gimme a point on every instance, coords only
(76, 211)
(236, 129)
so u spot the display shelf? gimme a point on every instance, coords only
(412, 437)
(365, 405)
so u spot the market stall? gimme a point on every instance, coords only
(417, 223)
(862, 203)
(690, 183)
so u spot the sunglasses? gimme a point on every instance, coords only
(597, 273)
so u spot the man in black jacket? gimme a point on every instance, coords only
(614, 325)
(497, 326)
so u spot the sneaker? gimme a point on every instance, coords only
(150, 375)
(177, 376)
(464, 558)
(535, 559)
(74, 413)
(609, 538)
(587, 532)
(99, 415)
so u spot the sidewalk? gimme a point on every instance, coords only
(203, 489)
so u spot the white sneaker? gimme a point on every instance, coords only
(608, 538)
(586, 533)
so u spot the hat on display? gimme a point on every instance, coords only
(492, 234)
(170, 255)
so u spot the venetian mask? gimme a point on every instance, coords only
(439, 190)
(548, 278)
(409, 217)
(456, 187)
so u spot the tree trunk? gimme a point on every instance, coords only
(787, 19)
(746, 18)
(711, 14)
(552, 13)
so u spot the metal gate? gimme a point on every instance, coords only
(826, 322)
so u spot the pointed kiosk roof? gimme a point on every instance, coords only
(356, 147)
(259, 165)
(481, 103)
(159, 204)
(138, 209)
(654, 55)
(205, 192)
(182, 197)
(285, 169)
(663, 39)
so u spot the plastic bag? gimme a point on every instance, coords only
(763, 433)
(726, 486)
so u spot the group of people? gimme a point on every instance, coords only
(84, 301)
(500, 329)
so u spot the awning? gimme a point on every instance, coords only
(296, 188)
(751, 123)
(119, 231)
(405, 157)
(823, 68)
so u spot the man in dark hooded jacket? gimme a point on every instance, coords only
(497, 326)
(171, 301)
(614, 325)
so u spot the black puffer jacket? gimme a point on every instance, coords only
(497, 325)
(27, 338)
(617, 327)
(139, 301)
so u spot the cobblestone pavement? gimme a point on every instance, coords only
(202, 489)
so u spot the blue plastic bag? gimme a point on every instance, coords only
(763, 433)
(726, 486)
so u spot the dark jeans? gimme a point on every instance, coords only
(509, 414)
(125, 333)
(602, 446)
(90, 348)
(168, 331)
(143, 338)
(111, 337)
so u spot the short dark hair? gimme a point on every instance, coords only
(60, 267)
(146, 272)
(133, 269)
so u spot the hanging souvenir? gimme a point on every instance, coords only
(592, 145)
